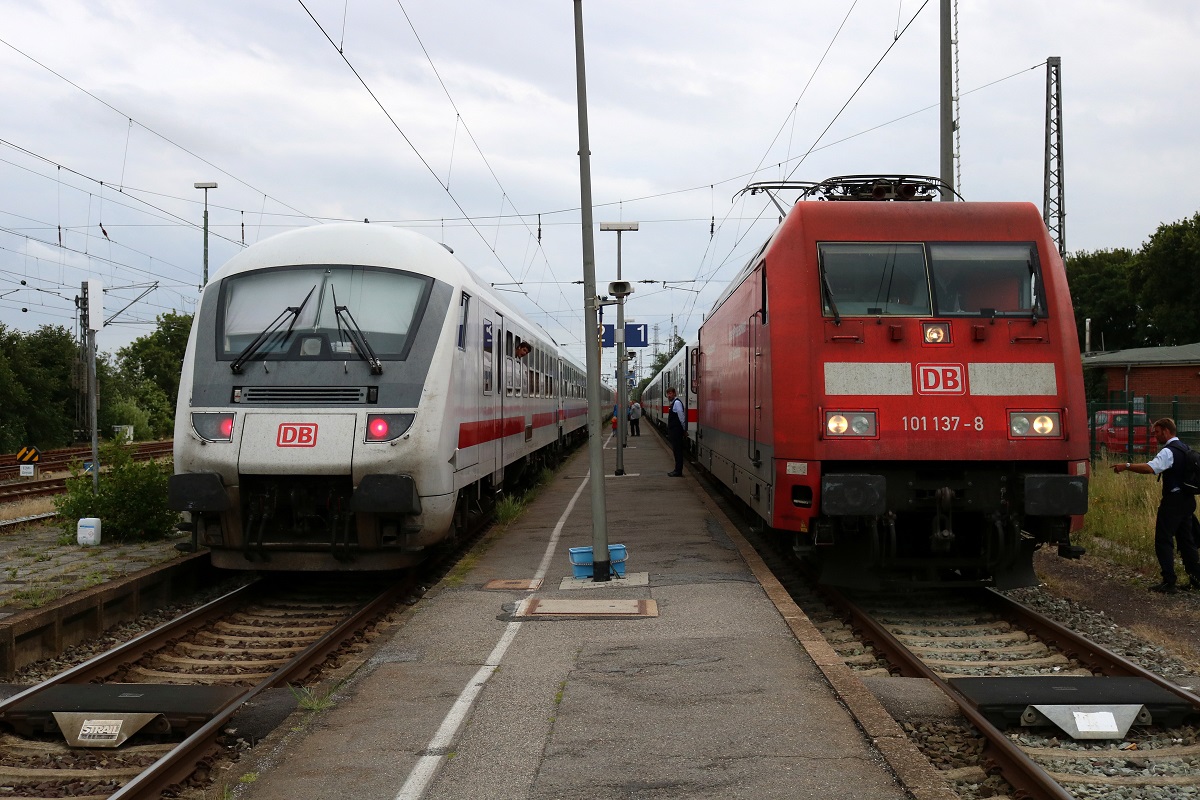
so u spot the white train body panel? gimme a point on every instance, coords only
(301, 479)
(677, 373)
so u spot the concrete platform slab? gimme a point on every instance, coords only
(631, 579)
(715, 697)
(539, 607)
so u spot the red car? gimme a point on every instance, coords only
(1112, 434)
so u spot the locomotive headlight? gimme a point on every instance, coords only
(850, 423)
(936, 332)
(387, 427)
(1044, 425)
(1029, 424)
(213, 426)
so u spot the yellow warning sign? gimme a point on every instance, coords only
(28, 455)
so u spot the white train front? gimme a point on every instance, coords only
(351, 394)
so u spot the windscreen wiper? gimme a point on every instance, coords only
(1037, 288)
(270, 331)
(357, 337)
(837, 318)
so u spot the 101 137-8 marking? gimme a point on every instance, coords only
(942, 424)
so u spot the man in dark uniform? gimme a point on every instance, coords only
(676, 430)
(1175, 520)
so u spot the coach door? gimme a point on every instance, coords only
(491, 393)
(504, 390)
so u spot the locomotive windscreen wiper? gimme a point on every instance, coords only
(270, 331)
(356, 335)
(1035, 278)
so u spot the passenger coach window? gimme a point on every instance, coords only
(986, 279)
(487, 356)
(873, 279)
(508, 362)
(463, 307)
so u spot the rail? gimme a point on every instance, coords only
(187, 756)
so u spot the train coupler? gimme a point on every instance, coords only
(942, 537)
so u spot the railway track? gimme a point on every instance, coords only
(61, 460)
(955, 637)
(957, 640)
(223, 654)
(27, 490)
(199, 670)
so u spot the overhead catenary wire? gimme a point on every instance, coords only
(896, 38)
(412, 145)
(525, 271)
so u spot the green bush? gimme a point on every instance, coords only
(128, 412)
(131, 503)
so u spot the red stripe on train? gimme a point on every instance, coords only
(693, 413)
(487, 430)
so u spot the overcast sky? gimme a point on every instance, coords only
(464, 126)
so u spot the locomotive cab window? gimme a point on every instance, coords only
(868, 278)
(950, 279)
(330, 312)
(986, 279)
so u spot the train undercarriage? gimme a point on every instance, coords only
(941, 524)
(325, 523)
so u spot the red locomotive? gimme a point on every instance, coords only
(898, 383)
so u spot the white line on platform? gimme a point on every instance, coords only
(427, 765)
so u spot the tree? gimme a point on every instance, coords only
(659, 362)
(1101, 291)
(13, 398)
(157, 357)
(1166, 279)
(43, 363)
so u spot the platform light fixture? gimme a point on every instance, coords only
(620, 289)
(205, 185)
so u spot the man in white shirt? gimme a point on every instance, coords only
(1175, 520)
(676, 430)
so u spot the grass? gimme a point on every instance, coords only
(1119, 525)
(27, 508)
(310, 699)
(458, 575)
(509, 508)
(35, 597)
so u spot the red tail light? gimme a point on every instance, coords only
(213, 426)
(387, 427)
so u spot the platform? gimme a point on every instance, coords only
(510, 679)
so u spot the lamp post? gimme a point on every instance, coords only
(206, 185)
(619, 340)
(600, 559)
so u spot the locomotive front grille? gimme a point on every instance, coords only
(301, 395)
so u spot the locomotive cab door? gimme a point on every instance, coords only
(754, 369)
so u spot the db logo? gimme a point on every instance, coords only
(296, 434)
(941, 379)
